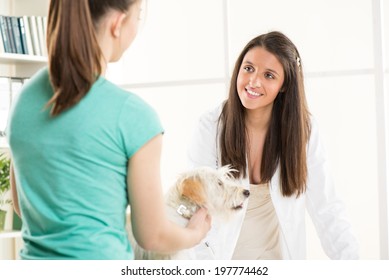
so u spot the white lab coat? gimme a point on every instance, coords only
(325, 209)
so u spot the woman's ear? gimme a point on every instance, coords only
(117, 23)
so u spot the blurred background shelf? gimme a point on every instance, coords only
(12, 58)
(10, 234)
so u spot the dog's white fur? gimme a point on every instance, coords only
(215, 190)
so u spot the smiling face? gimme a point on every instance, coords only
(259, 80)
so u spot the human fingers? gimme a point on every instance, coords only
(201, 221)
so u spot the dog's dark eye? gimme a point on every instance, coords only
(220, 183)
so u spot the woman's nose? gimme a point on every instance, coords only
(255, 82)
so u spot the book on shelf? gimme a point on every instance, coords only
(4, 34)
(30, 49)
(2, 50)
(15, 32)
(23, 38)
(34, 35)
(23, 35)
(41, 35)
(9, 33)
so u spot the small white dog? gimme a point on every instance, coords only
(215, 190)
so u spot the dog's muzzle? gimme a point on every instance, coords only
(246, 193)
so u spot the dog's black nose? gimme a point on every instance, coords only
(246, 193)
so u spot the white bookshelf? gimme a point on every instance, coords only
(18, 66)
(21, 65)
(10, 234)
(14, 59)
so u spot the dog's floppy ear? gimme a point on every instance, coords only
(193, 190)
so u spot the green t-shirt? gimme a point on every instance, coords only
(71, 169)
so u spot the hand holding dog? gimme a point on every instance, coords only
(200, 223)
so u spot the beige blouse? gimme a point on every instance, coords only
(258, 239)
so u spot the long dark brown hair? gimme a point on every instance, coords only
(73, 51)
(289, 129)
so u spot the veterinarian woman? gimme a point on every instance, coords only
(264, 131)
(83, 148)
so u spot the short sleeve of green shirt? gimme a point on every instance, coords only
(138, 124)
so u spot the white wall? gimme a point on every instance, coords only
(185, 51)
(177, 63)
(383, 117)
